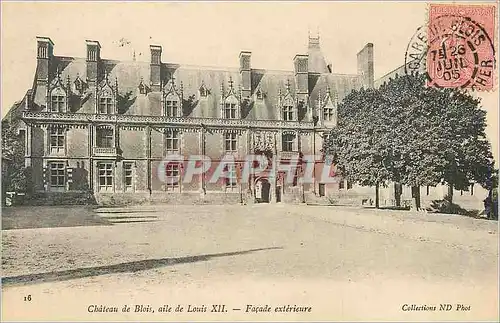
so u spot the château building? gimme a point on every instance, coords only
(93, 124)
(103, 125)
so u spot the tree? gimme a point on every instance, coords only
(412, 109)
(357, 145)
(411, 134)
(14, 176)
(443, 132)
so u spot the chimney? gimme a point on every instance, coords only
(45, 52)
(155, 68)
(365, 65)
(93, 60)
(301, 74)
(246, 73)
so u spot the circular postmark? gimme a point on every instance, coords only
(454, 52)
(416, 52)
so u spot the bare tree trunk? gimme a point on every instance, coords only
(415, 194)
(449, 196)
(397, 193)
(377, 193)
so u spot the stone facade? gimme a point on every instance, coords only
(104, 126)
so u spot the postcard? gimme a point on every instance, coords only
(249, 161)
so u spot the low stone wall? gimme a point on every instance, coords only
(185, 198)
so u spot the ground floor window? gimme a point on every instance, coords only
(231, 179)
(105, 173)
(173, 176)
(128, 179)
(57, 175)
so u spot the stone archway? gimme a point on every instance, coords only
(262, 189)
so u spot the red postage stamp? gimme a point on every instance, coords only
(461, 46)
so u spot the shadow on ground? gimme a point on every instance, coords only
(126, 267)
(446, 207)
(29, 217)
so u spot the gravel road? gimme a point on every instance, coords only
(344, 263)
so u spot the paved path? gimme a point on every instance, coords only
(344, 263)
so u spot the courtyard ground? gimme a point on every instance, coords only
(344, 263)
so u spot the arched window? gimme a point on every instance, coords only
(231, 108)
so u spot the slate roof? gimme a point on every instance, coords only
(129, 75)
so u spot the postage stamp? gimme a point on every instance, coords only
(461, 52)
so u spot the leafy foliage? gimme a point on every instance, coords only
(408, 133)
(13, 172)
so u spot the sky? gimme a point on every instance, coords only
(213, 34)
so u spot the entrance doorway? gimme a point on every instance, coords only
(262, 190)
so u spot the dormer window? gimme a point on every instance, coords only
(329, 113)
(106, 95)
(143, 89)
(57, 99)
(287, 104)
(171, 106)
(230, 108)
(288, 111)
(259, 95)
(57, 103)
(172, 100)
(78, 85)
(329, 105)
(203, 91)
(105, 105)
(229, 101)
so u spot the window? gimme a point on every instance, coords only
(230, 179)
(56, 139)
(471, 189)
(328, 113)
(105, 138)
(171, 140)
(287, 142)
(105, 176)
(341, 184)
(288, 112)
(230, 140)
(349, 185)
(171, 108)
(105, 105)
(172, 180)
(128, 176)
(259, 94)
(428, 190)
(203, 91)
(230, 110)
(57, 175)
(57, 103)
